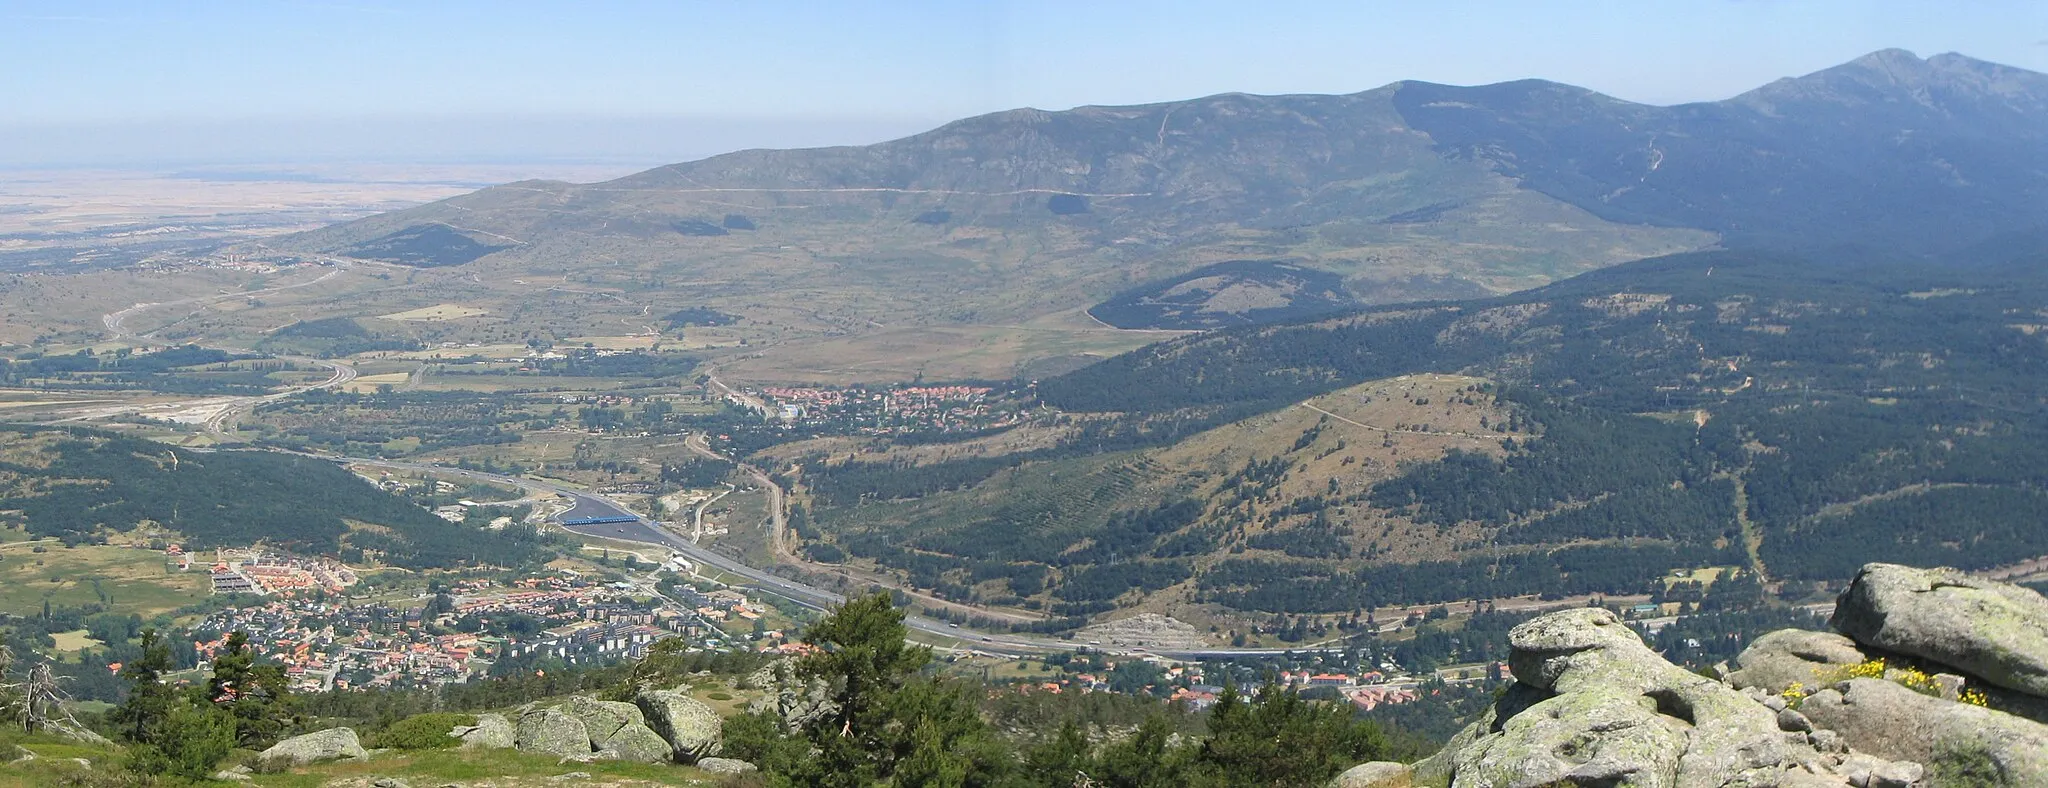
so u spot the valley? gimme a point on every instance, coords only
(1400, 375)
(971, 396)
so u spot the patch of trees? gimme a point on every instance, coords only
(362, 424)
(1109, 581)
(92, 482)
(168, 370)
(1172, 304)
(698, 227)
(849, 482)
(1255, 369)
(335, 337)
(424, 246)
(324, 328)
(1066, 204)
(1581, 456)
(895, 726)
(1963, 527)
(696, 472)
(187, 732)
(699, 316)
(1482, 638)
(1701, 513)
(1298, 586)
(1317, 539)
(1706, 639)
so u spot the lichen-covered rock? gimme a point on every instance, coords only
(691, 728)
(638, 743)
(1593, 706)
(796, 700)
(491, 732)
(1781, 659)
(726, 766)
(1376, 774)
(553, 731)
(333, 744)
(602, 718)
(1994, 631)
(1884, 719)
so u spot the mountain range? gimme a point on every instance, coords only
(1776, 332)
(1412, 190)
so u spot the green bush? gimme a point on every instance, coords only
(193, 741)
(421, 732)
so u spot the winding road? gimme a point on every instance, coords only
(588, 504)
(219, 414)
(216, 415)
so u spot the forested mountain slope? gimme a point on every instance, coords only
(80, 485)
(1708, 409)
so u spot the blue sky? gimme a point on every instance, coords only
(664, 80)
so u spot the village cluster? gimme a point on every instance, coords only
(327, 640)
(889, 410)
(1187, 684)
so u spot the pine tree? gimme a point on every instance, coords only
(150, 700)
(257, 698)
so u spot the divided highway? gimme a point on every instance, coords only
(641, 530)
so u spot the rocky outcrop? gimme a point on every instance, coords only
(639, 743)
(1781, 660)
(726, 766)
(606, 720)
(1377, 774)
(553, 731)
(691, 728)
(789, 696)
(602, 718)
(333, 744)
(1887, 719)
(1593, 706)
(669, 727)
(1930, 681)
(491, 732)
(1992, 631)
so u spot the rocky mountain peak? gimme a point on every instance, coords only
(1949, 83)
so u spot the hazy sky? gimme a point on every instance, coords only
(139, 81)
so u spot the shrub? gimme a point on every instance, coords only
(422, 732)
(194, 740)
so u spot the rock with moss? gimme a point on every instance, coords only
(1958, 742)
(1993, 631)
(638, 743)
(726, 766)
(789, 696)
(602, 718)
(1377, 774)
(333, 744)
(1593, 706)
(1794, 659)
(552, 731)
(691, 728)
(491, 732)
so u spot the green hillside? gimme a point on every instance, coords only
(79, 485)
(1701, 410)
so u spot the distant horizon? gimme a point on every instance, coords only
(123, 83)
(624, 141)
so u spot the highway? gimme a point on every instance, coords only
(588, 504)
(218, 414)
